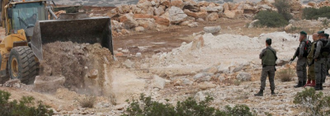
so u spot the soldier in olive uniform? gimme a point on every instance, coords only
(302, 60)
(320, 62)
(311, 71)
(268, 57)
(328, 59)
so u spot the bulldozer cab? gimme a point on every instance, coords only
(24, 15)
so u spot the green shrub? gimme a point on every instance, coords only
(315, 103)
(270, 19)
(313, 13)
(24, 107)
(283, 8)
(190, 107)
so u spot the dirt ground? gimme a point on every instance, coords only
(166, 40)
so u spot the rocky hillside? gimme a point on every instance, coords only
(122, 2)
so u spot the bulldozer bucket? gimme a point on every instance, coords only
(87, 30)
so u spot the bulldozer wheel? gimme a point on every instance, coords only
(22, 64)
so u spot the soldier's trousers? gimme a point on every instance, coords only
(311, 72)
(301, 69)
(270, 72)
(320, 70)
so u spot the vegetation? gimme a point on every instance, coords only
(283, 8)
(285, 75)
(87, 102)
(270, 19)
(190, 107)
(24, 107)
(313, 13)
(315, 103)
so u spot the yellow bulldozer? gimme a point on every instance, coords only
(28, 27)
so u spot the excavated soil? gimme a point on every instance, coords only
(82, 65)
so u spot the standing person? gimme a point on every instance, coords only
(268, 57)
(328, 59)
(301, 53)
(311, 70)
(319, 61)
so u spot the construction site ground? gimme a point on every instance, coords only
(152, 42)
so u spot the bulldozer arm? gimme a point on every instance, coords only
(87, 30)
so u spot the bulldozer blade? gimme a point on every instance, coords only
(87, 30)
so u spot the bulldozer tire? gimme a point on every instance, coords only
(22, 64)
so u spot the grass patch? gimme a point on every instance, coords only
(87, 101)
(285, 75)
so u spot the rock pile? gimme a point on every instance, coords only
(158, 14)
(318, 5)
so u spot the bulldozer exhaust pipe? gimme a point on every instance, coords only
(87, 30)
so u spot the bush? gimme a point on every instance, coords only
(23, 107)
(87, 102)
(270, 19)
(315, 103)
(283, 8)
(313, 13)
(146, 107)
(285, 75)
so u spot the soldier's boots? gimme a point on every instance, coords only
(308, 83)
(318, 87)
(260, 93)
(313, 84)
(273, 93)
(300, 84)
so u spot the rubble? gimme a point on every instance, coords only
(13, 83)
(166, 13)
(76, 63)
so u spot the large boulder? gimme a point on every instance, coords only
(116, 25)
(212, 17)
(147, 23)
(214, 9)
(166, 3)
(203, 4)
(139, 16)
(144, 5)
(225, 6)
(158, 82)
(176, 15)
(123, 9)
(249, 9)
(128, 21)
(113, 13)
(159, 11)
(137, 10)
(191, 7)
(288, 27)
(139, 29)
(177, 3)
(230, 14)
(212, 29)
(296, 6)
(202, 15)
(162, 21)
(252, 24)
